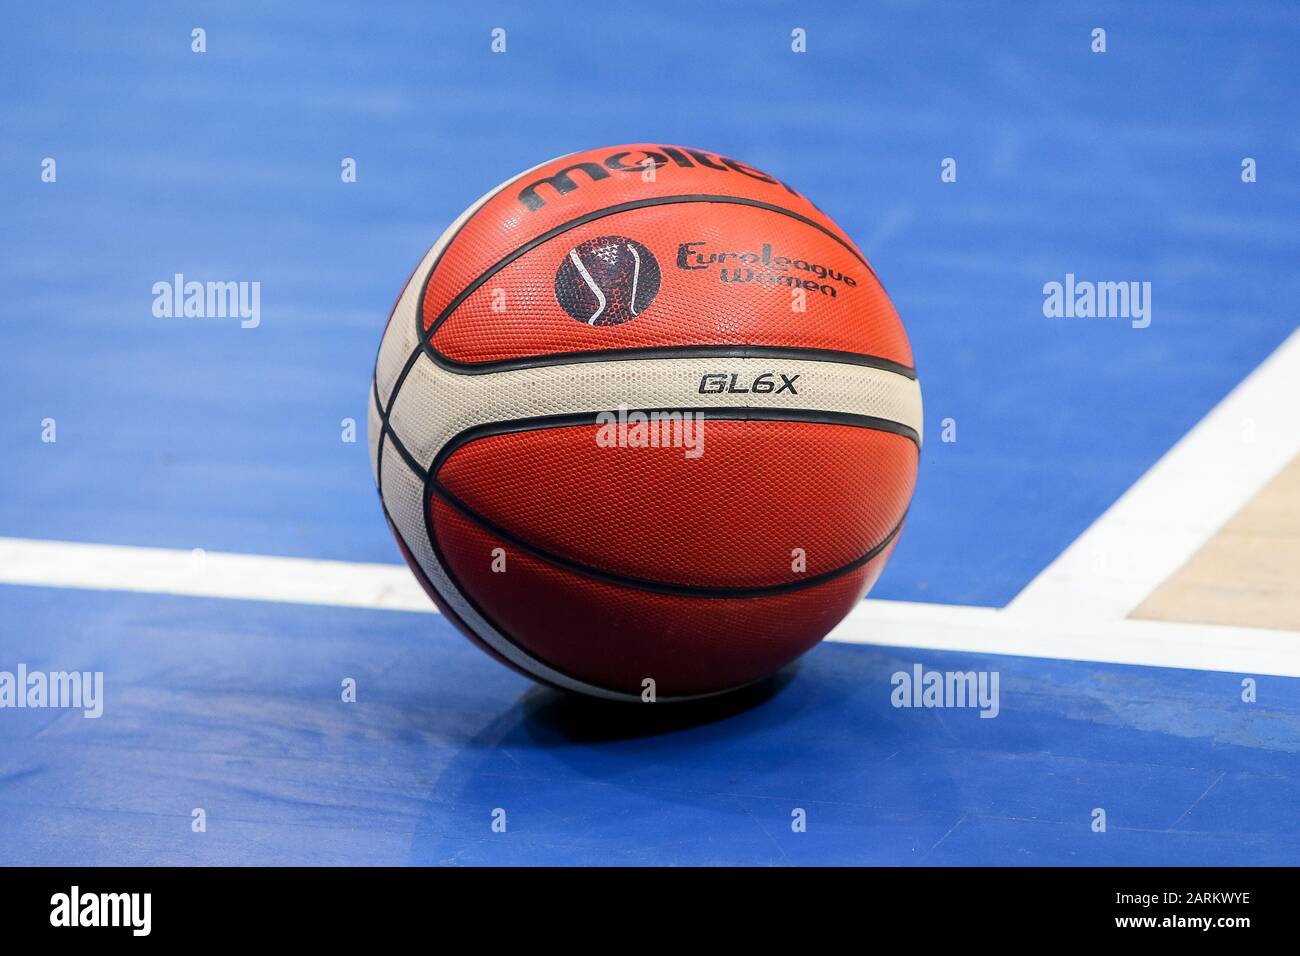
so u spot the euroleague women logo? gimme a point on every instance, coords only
(607, 280)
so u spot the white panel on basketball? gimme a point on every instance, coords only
(433, 404)
(373, 429)
(400, 338)
(403, 494)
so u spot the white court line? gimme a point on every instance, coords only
(979, 630)
(890, 623)
(249, 577)
(1074, 610)
(1178, 505)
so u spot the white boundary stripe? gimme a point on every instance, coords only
(249, 577)
(975, 630)
(1178, 505)
(979, 630)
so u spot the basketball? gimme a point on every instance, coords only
(644, 422)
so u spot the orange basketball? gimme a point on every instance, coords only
(645, 414)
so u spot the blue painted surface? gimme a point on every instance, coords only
(199, 434)
(235, 707)
(226, 166)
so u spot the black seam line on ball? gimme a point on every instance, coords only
(592, 216)
(379, 442)
(425, 338)
(431, 486)
(571, 419)
(411, 359)
(385, 408)
(531, 655)
(459, 622)
(791, 353)
(426, 506)
(415, 466)
(383, 427)
(433, 267)
(703, 351)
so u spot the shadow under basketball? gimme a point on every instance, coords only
(581, 719)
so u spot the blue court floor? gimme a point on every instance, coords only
(182, 434)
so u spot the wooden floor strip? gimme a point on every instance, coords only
(1248, 573)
